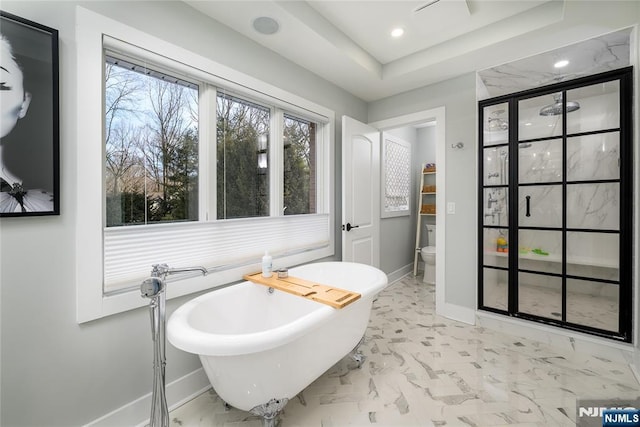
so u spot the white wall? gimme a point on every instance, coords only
(55, 372)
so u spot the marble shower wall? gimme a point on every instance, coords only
(607, 52)
(591, 157)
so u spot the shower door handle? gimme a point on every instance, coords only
(528, 201)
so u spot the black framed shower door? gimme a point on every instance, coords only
(556, 205)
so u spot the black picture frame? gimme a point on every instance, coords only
(29, 120)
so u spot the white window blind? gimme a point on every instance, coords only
(130, 252)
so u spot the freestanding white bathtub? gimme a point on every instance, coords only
(256, 345)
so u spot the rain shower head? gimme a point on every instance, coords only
(555, 109)
(497, 122)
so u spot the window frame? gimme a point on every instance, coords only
(95, 34)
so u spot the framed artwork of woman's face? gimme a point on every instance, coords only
(29, 118)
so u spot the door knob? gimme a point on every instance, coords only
(349, 226)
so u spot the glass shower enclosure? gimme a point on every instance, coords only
(556, 193)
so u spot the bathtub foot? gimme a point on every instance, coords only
(359, 358)
(355, 354)
(269, 411)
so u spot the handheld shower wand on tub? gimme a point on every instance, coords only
(154, 288)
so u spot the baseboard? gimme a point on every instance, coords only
(399, 273)
(635, 363)
(635, 371)
(136, 413)
(458, 313)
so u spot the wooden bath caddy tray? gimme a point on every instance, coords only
(335, 297)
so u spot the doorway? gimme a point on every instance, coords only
(436, 115)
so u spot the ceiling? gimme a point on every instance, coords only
(348, 42)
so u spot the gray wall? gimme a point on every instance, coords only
(459, 98)
(426, 145)
(55, 372)
(397, 234)
(425, 153)
(636, 222)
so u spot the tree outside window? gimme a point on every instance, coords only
(243, 158)
(151, 152)
(151, 146)
(299, 166)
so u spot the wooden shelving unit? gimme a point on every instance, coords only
(426, 207)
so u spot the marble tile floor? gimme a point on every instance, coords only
(425, 370)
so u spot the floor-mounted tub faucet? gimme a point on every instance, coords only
(154, 288)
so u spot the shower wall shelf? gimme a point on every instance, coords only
(559, 176)
(589, 262)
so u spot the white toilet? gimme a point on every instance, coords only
(428, 254)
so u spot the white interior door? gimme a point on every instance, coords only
(360, 192)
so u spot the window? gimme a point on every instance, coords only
(151, 146)
(242, 134)
(152, 163)
(396, 160)
(151, 151)
(299, 166)
(214, 194)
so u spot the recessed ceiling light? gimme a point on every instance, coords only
(266, 25)
(397, 32)
(561, 63)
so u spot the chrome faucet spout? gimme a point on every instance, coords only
(202, 270)
(163, 270)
